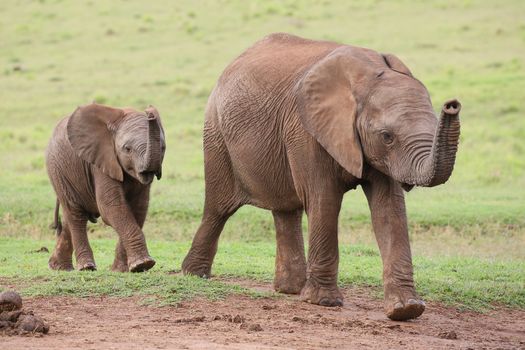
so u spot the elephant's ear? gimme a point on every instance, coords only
(394, 63)
(328, 110)
(89, 130)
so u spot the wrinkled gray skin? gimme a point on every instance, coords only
(291, 126)
(101, 162)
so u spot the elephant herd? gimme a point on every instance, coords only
(291, 125)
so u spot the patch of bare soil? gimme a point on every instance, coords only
(240, 322)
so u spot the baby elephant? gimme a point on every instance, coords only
(101, 162)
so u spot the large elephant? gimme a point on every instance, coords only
(292, 125)
(101, 162)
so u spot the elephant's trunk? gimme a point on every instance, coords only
(438, 166)
(153, 149)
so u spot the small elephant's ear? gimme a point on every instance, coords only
(328, 110)
(394, 63)
(89, 130)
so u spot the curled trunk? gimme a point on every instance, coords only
(439, 164)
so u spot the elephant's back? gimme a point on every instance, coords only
(256, 89)
(58, 148)
(276, 59)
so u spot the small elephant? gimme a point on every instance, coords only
(101, 162)
(292, 125)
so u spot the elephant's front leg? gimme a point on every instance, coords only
(290, 263)
(387, 206)
(132, 243)
(139, 207)
(323, 252)
(116, 212)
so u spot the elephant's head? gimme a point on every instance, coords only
(363, 106)
(119, 140)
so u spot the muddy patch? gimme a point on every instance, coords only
(242, 322)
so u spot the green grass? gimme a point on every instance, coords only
(470, 283)
(55, 55)
(27, 271)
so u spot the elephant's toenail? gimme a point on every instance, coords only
(324, 302)
(412, 302)
(398, 306)
(338, 302)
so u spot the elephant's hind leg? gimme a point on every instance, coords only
(77, 223)
(62, 257)
(290, 262)
(199, 259)
(120, 264)
(222, 200)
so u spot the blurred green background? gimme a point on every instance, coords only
(55, 55)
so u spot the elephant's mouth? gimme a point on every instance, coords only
(407, 187)
(146, 177)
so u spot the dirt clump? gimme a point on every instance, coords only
(10, 301)
(251, 327)
(14, 320)
(448, 335)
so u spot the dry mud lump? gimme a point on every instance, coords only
(10, 301)
(14, 320)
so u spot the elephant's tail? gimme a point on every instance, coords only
(57, 224)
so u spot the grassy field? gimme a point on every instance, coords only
(55, 55)
(463, 282)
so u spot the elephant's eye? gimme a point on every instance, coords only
(387, 137)
(127, 148)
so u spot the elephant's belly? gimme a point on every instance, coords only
(264, 177)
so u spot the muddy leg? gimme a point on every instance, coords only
(290, 262)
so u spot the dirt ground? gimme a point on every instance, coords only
(240, 322)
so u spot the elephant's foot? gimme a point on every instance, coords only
(119, 266)
(402, 305)
(141, 264)
(290, 280)
(313, 293)
(196, 266)
(87, 266)
(61, 265)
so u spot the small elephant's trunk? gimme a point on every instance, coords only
(153, 149)
(438, 167)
